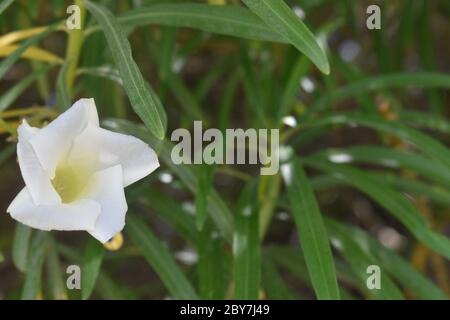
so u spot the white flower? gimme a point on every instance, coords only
(75, 173)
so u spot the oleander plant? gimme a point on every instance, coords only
(98, 99)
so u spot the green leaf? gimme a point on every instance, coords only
(201, 198)
(390, 158)
(33, 278)
(391, 200)
(311, 230)
(213, 267)
(12, 94)
(396, 266)
(293, 261)
(280, 18)
(92, 261)
(56, 282)
(214, 264)
(415, 187)
(273, 284)
(5, 4)
(159, 257)
(427, 144)
(106, 287)
(359, 261)
(142, 97)
(169, 210)
(268, 194)
(425, 120)
(13, 57)
(385, 81)
(246, 247)
(227, 20)
(21, 243)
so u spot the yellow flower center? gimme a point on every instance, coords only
(70, 181)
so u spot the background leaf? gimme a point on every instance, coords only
(21, 245)
(246, 247)
(312, 233)
(394, 202)
(160, 259)
(93, 258)
(33, 278)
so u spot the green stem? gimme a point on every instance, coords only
(269, 189)
(74, 45)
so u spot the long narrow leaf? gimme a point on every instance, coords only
(391, 200)
(21, 245)
(435, 149)
(419, 79)
(5, 4)
(360, 261)
(227, 20)
(246, 247)
(389, 158)
(312, 233)
(279, 17)
(33, 278)
(142, 97)
(56, 282)
(93, 258)
(399, 268)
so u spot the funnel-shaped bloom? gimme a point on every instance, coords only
(75, 173)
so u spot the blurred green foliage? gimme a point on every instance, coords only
(365, 146)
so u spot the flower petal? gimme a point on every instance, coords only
(136, 157)
(106, 188)
(78, 215)
(53, 142)
(37, 180)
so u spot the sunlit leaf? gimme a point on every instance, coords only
(280, 18)
(228, 20)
